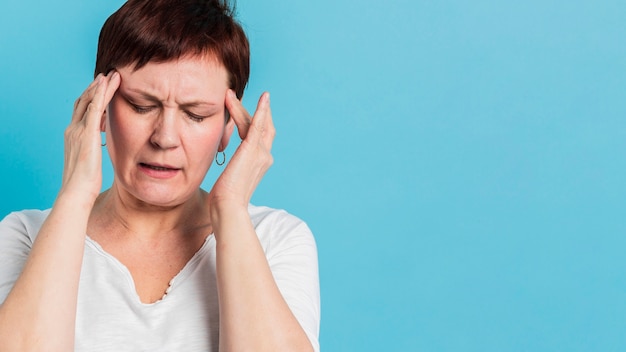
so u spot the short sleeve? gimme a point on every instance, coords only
(295, 270)
(17, 233)
(291, 252)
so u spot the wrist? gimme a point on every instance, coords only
(80, 201)
(225, 213)
(224, 206)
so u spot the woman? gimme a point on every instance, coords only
(155, 262)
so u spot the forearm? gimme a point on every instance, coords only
(40, 311)
(253, 314)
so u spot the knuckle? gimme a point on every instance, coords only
(91, 108)
(76, 102)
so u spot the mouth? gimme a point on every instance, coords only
(158, 167)
(158, 171)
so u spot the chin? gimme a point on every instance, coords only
(159, 202)
(160, 197)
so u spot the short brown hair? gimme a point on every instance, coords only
(162, 30)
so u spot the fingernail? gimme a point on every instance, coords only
(115, 75)
(265, 99)
(232, 94)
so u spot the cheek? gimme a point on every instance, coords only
(113, 113)
(120, 130)
(208, 142)
(121, 119)
(203, 144)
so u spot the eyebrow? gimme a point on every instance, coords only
(154, 99)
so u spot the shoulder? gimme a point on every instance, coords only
(261, 215)
(277, 228)
(18, 231)
(26, 223)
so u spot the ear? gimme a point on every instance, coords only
(228, 131)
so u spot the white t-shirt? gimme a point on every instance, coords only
(110, 316)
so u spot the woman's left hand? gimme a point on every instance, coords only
(252, 158)
(253, 313)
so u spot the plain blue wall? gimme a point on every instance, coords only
(460, 162)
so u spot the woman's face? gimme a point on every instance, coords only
(164, 125)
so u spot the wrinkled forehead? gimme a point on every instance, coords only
(190, 79)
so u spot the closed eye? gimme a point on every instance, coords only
(141, 109)
(194, 117)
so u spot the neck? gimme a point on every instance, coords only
(127, 216)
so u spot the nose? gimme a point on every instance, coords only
(165, 134)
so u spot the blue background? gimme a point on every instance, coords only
(461, 163)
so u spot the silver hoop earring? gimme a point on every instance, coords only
(104, 144)
(217, 161)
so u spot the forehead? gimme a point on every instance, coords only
(192, 77)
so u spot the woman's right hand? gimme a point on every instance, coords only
(82, 172)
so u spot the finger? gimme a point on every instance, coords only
(238, 113)
(88, 89)
(114, 80)
(270, 129)
(81, 103)
(96, 107)
(110, 83)
(262, 123)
